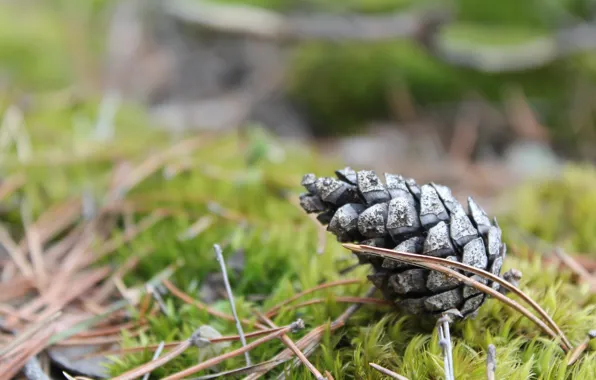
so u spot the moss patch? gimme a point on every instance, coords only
(248, 177)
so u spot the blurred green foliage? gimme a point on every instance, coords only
(56, 42)
(560, 210)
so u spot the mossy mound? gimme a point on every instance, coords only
(559, 210)
(250, 178)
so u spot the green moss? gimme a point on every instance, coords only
(560, 210)
(280, 244)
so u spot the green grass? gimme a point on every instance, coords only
(247, 176)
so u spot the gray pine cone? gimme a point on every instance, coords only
(401, 215)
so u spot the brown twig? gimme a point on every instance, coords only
(352, 300)
(16, 254)
(10, 185)
(216, 313)
(579, 350)
(225, 338)
(28, 333)
(576, 268)
(311, 340)
(213, 361)
(431, 263)
(276, 308)
(292, 346)
(387, 372)
(34, 245)
(152, 365)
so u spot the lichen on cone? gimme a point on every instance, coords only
(401, 215)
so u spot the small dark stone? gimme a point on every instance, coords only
(371, 187)
(410, 281)
(432, 210)
(462, 230)
(438, 242)
(444, 301)
(475, 254)
(348, 175)
(478, 216)
(371, 222)
(402, 217)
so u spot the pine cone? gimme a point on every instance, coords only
(400, 215)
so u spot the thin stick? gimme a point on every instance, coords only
(28, 333)
(155, 356)
(224, 271)
(292, 346)
(157, 297)
(152, 365)
(352, 300)
(216, 313)
(274, 309)
(445, 343)
(387, 372)
(225, 338)
(579, 350)
(10, 185)
(491, 362)
(218, 359)
(238, 371)
(417, 259)
(34, 243)
(310, 341)
(196, 228)
(15, 253)
(576, 268)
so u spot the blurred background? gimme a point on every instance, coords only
(473, 94)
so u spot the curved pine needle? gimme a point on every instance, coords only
(351, 300)
(152, 365)
(218, 359)
(428, 262)
(276, 308)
